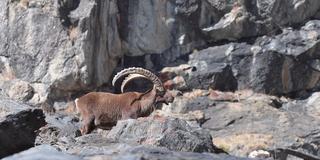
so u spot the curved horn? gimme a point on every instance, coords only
(147, 74)
(129, 78)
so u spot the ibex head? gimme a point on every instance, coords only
(162, 95)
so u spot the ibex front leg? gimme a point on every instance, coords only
(87, 125)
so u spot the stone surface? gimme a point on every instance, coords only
(18, 90)
(159, 130)
(152, 153)
(157, 137)
(174, 134)
(18, 126)
(193, 116)
(64, 45)
(309, 144)
(184, 105)
(67, 46)
(309, 106)
(238, 23)
(213, 76)
(159, 27)
(179, 27)
(60, 129)
(81, 42)
(43, 152)
(254, 18)
(239, 126)
(52, 51)
(117, 153)
(282, 64)
(256, 123)
(244, 121)
(237, 55)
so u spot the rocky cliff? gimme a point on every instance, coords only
(262, 54)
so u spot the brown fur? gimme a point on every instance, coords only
(99, 109)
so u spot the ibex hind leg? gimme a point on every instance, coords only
(106, 123)
(87, 125)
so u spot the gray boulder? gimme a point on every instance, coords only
(237, 55)
(60, 129)
(174, 134)
(43, 152)
(18, 90)
(218, 76)
(184, 105)
(18, 126)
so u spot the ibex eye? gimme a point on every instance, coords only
(161, 93)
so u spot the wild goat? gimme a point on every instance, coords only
(103, 110)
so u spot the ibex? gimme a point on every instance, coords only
(103, 110)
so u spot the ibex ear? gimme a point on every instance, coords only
(140, 96)
(161, 100)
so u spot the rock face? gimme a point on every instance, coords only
(178, 27)
(142, 22)
(61, 47)
(58, 46)
(18, 125)
(282, 64)
(254, 18)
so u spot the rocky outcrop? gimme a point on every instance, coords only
(18, 126)
(179, 27)
(243, 124)
(159, 27)
(115, 153)
(173, 134)
(286, 64)
(218, 76)
(157, 136)
(244, 121)
(161, 131)
(60, 129)
(58, 46)
(247, 19)
(61, 47)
